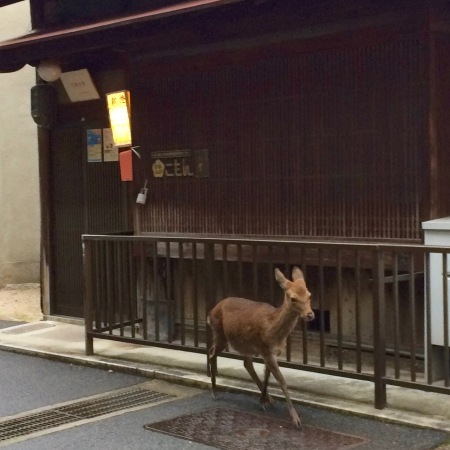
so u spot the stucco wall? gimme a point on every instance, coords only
(19, 178)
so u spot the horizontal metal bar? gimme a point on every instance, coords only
(418, 386)
(148, 343)
(307, 368)
(118, 326)
(202, 350)
(403, 277)
(285, 240)
(221, 239)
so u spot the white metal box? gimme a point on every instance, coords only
(437, 232)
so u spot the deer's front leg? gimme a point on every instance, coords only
(272, 365)
(265, 398)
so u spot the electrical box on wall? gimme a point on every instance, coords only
(44, 105)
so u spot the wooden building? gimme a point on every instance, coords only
(322, 120)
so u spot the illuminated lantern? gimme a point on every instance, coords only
(119, 117)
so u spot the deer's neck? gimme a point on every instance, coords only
(284, 319)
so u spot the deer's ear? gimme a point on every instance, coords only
(281, 279)
(297, 274)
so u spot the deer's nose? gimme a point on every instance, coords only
(310, 315)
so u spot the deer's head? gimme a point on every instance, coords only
(296, 292)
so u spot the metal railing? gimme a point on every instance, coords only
(382, 310)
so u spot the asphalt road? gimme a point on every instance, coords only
(27, 383)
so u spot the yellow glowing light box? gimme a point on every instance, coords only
(119, 117)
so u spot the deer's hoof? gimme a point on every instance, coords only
(296, 421)
(214, 395)
(267, 402)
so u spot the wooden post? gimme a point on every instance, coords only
(45, 196)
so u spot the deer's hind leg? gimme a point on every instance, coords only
(219, 344)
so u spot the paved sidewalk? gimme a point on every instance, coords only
(65, 342)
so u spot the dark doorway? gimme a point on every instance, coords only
(86, 197)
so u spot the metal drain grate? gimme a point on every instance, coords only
(79, 410)
(97, 407)
(230, 429)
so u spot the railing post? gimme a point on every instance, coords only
(88, 316)
(379, 330)
(209, 288)
(143, 288)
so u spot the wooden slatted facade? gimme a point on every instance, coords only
(324, 144)
(439, 148)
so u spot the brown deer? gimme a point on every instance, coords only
(254, 328)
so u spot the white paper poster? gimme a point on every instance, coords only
(110, 151)
(79, 86)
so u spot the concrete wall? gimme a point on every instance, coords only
(19, 178)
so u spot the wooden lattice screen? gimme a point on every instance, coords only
(323, 144)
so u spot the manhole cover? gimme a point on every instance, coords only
(232, 430)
